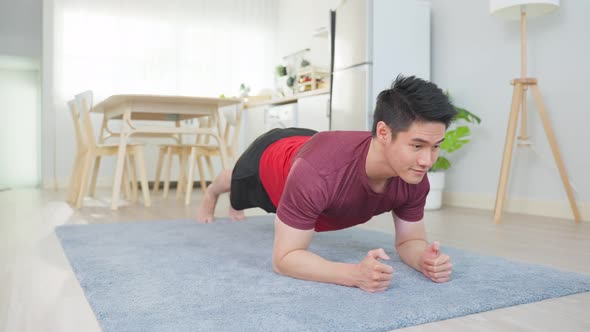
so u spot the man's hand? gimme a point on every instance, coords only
(436, 266)
(290, 257)
(374, 276)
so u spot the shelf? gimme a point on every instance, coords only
(321, 32)
(312, 78)
(296, 53)
(312, 69)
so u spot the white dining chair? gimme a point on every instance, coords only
(230, 135)
(81, 150)
(204, 149)
(94, 152)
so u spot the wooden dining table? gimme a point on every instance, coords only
(132, 109)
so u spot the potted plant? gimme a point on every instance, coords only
(455, 138)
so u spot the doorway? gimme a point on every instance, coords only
(19, 126)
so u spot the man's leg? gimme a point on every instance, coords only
(220, 185)
(236, 215)
(249, 191)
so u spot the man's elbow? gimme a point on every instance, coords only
(402, 243)
(277, 262)
(276, 268)
(281, 262)
(398, 245)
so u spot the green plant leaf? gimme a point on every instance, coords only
(455, 139)
(441, 163)
(463, 114)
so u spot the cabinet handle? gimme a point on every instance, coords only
(328, 108)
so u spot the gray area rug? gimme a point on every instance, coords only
(185, 276)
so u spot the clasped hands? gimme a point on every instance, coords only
(375, 276)
(435, 265)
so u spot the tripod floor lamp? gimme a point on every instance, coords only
(521, 9)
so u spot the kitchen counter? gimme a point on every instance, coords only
(285, 100)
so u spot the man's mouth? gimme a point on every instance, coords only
(417, 171)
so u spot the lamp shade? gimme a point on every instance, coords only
(510, 9)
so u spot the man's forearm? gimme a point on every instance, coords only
(303, 264)
(410, 252)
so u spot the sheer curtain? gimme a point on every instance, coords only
(178, 47)
(189, 47)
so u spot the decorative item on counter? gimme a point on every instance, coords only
(291, 81)
(281, 70)
(294, 62)
(284, 82)
(284, 85)
(311, 78)
(244, 90)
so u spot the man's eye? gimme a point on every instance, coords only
(436, 147)
(417, 146)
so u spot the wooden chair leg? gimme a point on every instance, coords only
(168, 168)
(73, 186)
(94, 176)
(210, 167)
(201, 174)
(132, 171)
(84, 176)
(191, 173)
(145, 190)
(159, 170)
(125, 180)
(78, 180)
(182, 174)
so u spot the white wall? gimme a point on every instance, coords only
(20, 27)
(475, 55)
(246, 55)
(297, 21)
(20, 54)
(48, 123)
(19, 129)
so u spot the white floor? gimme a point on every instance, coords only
(40, 292)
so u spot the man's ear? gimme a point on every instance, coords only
(383, 131)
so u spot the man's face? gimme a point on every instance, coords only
(411, 153)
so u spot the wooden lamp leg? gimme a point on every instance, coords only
(552, 141)
(508, 147)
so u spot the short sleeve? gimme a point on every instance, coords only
(413, 209)
(304, 197)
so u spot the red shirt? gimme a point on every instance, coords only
(320, 182)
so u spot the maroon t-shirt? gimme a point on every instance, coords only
(322, 184)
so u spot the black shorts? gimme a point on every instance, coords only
(247, 190)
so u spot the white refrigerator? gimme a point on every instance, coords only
(374, 41)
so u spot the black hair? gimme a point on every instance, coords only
(410, 100)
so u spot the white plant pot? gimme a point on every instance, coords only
(437, 184)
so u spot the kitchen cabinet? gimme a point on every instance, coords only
(253, 125)
(313, 112)
(281, 116)
(303, 111)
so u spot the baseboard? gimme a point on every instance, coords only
(547, 208)
(62, 184)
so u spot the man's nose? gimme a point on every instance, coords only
(425, 159)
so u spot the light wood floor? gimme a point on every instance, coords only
(39, 292)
